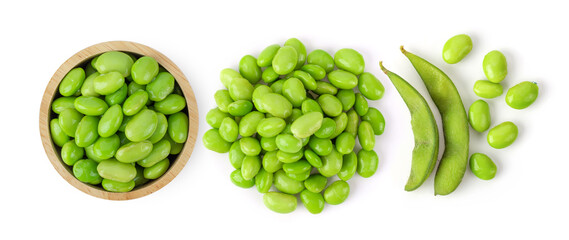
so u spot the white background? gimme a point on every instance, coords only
(528, 198)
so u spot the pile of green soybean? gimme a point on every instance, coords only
(119, 126)
(290, 120)
(520, 96)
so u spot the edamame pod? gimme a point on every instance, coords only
(455, 124)
(425, 131)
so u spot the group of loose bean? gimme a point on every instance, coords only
(520, 96)
(290, 120)
(118, 126)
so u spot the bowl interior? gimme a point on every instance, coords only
(84, 57)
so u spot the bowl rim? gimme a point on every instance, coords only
(80, 58)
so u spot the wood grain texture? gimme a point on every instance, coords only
(82, 57)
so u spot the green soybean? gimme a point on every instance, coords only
(313, 202)
(269, 144)
(313, 158)
(331, 106)
(327, 128)
(495, 66)
(286, 157)
(114, 61)
(250, 146)
(482, 166)
(110, 121)
(286, 184)
(349, 166)
(229, 130)
(487, 89)
(115, 186)
(280, 202)
(71, 153)
(455, 124)
(321, 58)
(213, 141)
(306, 79)
(88, 87)
(135, 87)
(353, 122)
(376, 119)
(502, 135)
(315, 71)
(161, 86)
(215, 116)
(456, 48)
(343, 79)
(86, 171)
(276, 105)
(300, 50)
(116, 171)
(270, 162)
(368, 161)
(134, 151)
(341, 124)
(90, 106)
(321, 146)
(141, 126)
(249, 70)
(337, 192)
(350, 60)
(157, 170)
(315, 183)
(144, 70)
(160, 151)
(236, 155)
(117, 97)
(285, 60)
(345, 143)
(370, 86)
(62, 103)
(266, 56)
(178, 126)
(250, 167)
(139, 180)
(293, 90)
(361, 105)
(173, 103)
(325, 88)
(366, 135)
(86, 133)
(57, 135)
(270, 127)
(425, 130)
(222, 99)
(331, 164)
(161, 128)
(69, 120)
(106, 147)
(347, 97)
(288, 143)
(108, 83)
(297, 167)
(227, 75)
(269, 75)
(263, 181)
(522, 95)
(238, 180)
(479, 116)
(307, 124)
(72, 82)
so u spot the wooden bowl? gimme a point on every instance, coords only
(81, 58)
